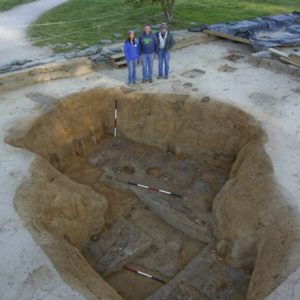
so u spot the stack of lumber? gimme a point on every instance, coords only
(292, 58)
(118, 60)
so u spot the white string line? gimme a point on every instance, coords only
(69, 33)
(98, 25)
(54, 23)
(67, 22)
(62, 35)
(61, 22)
(33, 41)
(48, 38)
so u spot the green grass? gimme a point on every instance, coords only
(206, 11)
(8, 4)
(111, 16)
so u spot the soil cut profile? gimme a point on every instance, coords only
(184, 193)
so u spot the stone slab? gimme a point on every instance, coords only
(116, 246)
(177, 216)
(205, 278)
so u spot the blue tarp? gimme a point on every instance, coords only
(265, 32)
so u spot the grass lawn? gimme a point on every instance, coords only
(106, 17)
(8, 4)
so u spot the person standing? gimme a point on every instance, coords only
(165, 44)
(148, 50)
(131, 51)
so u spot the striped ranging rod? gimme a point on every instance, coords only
(145, 274)
(154, 189)
(116, 117)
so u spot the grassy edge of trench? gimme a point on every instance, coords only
(83, 23)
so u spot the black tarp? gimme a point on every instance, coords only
(264, 32)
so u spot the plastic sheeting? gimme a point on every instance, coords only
(265, 32)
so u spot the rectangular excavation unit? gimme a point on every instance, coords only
(178, 203)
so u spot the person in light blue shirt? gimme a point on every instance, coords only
(131, 51)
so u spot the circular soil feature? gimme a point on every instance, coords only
(154, 171)
(128, 169)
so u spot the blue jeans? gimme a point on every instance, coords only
(147, 62)
(131, 71)
(163, 58)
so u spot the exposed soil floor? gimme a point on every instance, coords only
(136, 233)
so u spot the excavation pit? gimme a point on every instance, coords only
(84, 208)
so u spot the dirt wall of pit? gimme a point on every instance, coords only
(254, 226)
(176, 123)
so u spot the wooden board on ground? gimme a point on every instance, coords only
(118, 56)
(118, 60)
(289, 61)
(121, 63)
(227, 36)
(291, 58)
(277, 52)
(295, 57)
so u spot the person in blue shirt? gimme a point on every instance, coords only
(131, 51)
(148, 51)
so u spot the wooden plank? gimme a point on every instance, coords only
(294, 57)
(118, 56)
(277, 52)
(227, 36)
(121, 63)
(290, 61)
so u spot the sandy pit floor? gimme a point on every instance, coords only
(208, 72)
